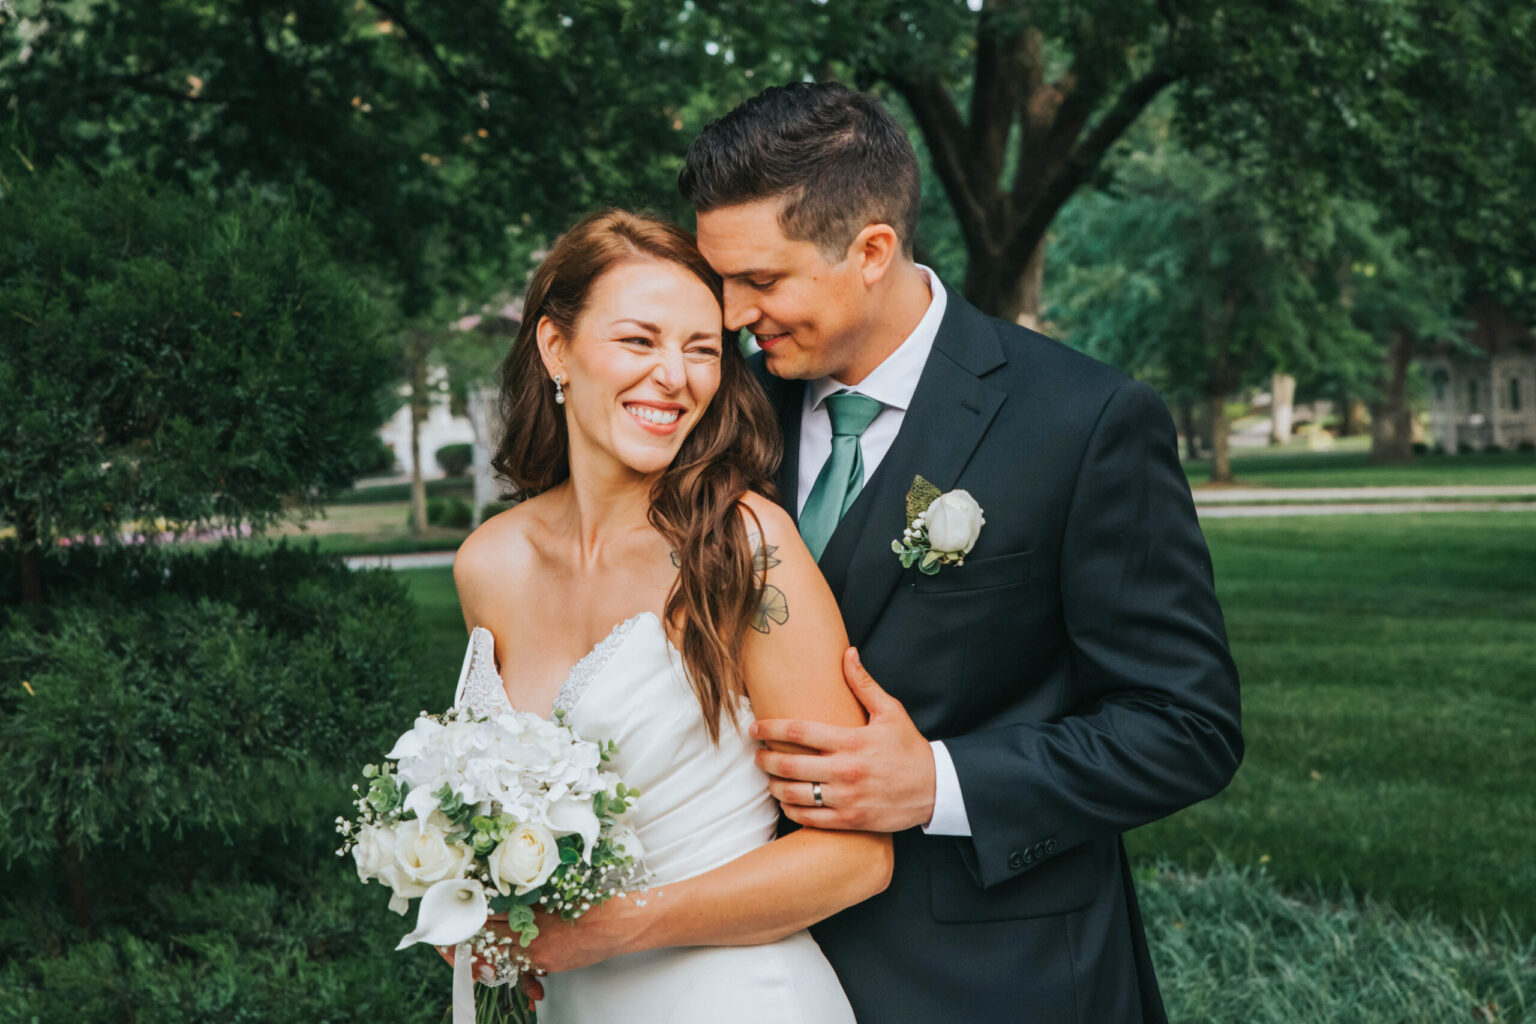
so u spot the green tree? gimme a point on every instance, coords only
(1399, 296)
(1420, 107)
(1188, 280)
(435, 147)
(165, 359)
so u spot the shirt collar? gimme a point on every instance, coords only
(894, 380)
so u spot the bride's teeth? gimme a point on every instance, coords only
(652, 415)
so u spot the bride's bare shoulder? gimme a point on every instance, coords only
(500, 549)
(763, 513)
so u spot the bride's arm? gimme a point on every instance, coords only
(793, 665)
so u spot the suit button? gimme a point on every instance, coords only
(1050, 846)
(1039, 851)
(1015, 860)
(1029, 856)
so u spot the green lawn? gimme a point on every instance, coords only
(1293, 467)
(1389, 685)
(1389, 692)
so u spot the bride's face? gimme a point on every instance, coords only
(640, 366)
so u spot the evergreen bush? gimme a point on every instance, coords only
(162, 357)
(182, 728)
(455, 459)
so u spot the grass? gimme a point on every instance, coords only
(1293, 467)
(1389, 684)
(1231, 948)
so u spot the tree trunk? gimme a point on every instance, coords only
(1059, 131)
(419, 411)
(1221, 428)
(1391, 419)
(31, 560)
(1350, 409)
(73, 863)
(1190, 429)
(1031, 288)
(1007, 291)
(1282, 406)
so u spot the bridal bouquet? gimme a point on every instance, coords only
(476, 815)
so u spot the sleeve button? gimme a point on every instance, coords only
(1016, 860)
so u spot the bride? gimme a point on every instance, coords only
(649, 591)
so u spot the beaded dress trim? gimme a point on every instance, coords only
(482, 690)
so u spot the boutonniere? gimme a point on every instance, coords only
(942, 527)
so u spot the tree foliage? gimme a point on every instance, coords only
(166, 358)
(1419, 107)
(1188, 277)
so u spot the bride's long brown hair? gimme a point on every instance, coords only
(696, 503)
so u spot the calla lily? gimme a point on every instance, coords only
(450, 912)
(575, 815)
(421, 801)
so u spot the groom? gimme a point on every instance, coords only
(1069, 681)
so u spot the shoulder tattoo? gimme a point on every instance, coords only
(773, 607)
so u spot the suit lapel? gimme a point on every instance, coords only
(950, 412)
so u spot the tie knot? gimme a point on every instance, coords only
(851, 413)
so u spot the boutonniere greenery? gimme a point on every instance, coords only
(942, 527)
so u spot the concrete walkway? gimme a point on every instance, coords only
(415, 560)
(1344, 508)
(1258, 495)
(1232, 503)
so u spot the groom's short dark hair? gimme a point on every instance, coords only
(836, 156)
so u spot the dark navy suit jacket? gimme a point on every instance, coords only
(1076, 667)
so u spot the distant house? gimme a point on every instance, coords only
(1484, 397)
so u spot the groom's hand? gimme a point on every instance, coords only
(877, 777)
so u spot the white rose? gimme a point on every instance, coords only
(423, 856)
(624, 838)
(954, 521)
(524, 860)
(374, 852)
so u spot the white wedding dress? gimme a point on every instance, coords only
(701, 805)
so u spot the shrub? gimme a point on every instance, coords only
(450, 512)
(455, 458)
(189, 727)
(160, 356)
(192, 690)
(378, 459)
(385, 494)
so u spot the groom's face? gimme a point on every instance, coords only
(808, 314)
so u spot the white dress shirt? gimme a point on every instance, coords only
(891, 384)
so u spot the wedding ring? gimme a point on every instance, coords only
(816, 794)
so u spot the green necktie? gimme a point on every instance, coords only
(842, 474)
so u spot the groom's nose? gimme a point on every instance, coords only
(740, 307)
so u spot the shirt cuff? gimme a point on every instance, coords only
(949, 817)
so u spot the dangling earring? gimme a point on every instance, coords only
(559, 391)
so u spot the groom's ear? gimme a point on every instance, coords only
(877, 248)
(551, 347)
